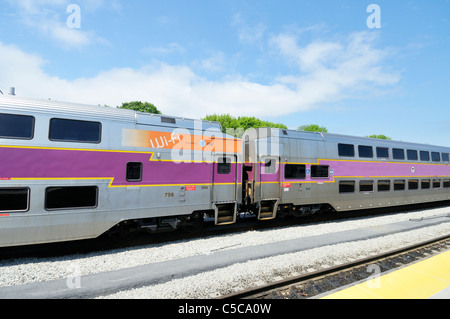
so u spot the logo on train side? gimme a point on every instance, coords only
(175, 138)
(182, 144)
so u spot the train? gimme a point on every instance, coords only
(72, 171)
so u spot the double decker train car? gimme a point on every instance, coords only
(70, 171)
(300, 173)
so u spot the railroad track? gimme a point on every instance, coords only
(317, 282)
(104, 243)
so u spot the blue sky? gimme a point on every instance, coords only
(292, 62)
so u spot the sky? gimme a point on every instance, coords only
(355, 67)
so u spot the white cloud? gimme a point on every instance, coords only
(248, 33)
(171, 48)
(49, 17)
(326, 72)
(329, 71)
(215, 63)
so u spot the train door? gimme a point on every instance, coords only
(269, 180)
(224, 188)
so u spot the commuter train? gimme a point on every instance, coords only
(71, 171)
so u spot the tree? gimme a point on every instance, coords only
(237, 126)
(140, 107)
(312, 128)
(380, 136)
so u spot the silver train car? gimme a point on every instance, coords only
(300, 173)
(70, 171)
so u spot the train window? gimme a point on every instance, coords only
(319, 171)
(294, 171)
(412, 155)
(399, 185)
(16, 126)
(71, 197)
(435, 156)
(270, 166)
(75, 131)
(366, 186)
(425, 184)
(436, 183)
(223, 166)
(398, 153)
(382, 152)
(446, 183)
(365, 151)
(346, 150)
(424, 156)
(14, 199)
(346, 187)
(413, 184)
(134, 172)
(384, 185)
(445, 157)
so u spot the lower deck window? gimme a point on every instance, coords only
(425, 184)
(436, 183)
(14, 199)
(399, 185)
(413, 184)
(319, 171)
(446, 183)
(366, 186)
(71, 197)
(294, 171)
(384, 185)
(347, 187)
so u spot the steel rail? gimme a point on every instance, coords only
(255, 292)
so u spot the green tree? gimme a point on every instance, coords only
(140, 107)
(380, 136)
(312, 128)
(237, 126)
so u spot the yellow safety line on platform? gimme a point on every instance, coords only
(417, 281)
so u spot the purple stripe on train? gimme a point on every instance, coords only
(57, 163)
(353, 169)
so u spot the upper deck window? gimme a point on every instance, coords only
(16, 126)
(398, 153)
(75, 131)
(365, 151)
(412, 155)
(382, 152)
(445, 157)
(424, 156)
(435, 156)
(346, 150)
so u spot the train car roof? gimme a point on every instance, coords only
(341, 138)
(57, 108)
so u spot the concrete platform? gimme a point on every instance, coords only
(427, 279)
